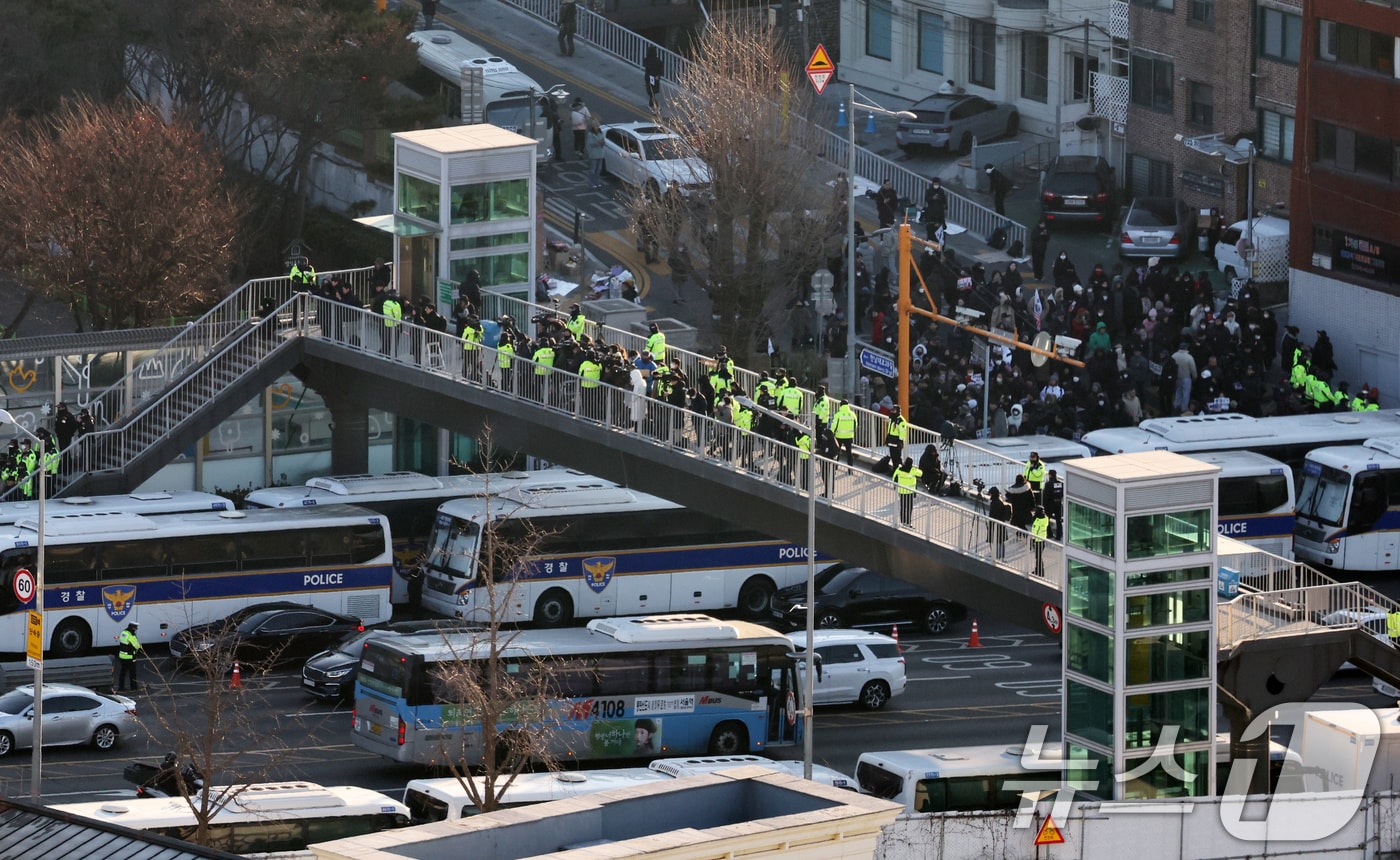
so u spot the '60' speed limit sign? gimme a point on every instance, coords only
(24, 585)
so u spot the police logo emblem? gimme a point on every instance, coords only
(598, 572)
(119, 600)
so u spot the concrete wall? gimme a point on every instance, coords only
(1189, 831)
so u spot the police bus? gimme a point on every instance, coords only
(1256, 499)
(1349, 507)
(597, 550)
(146, 503)
(104, 569)
(640, 687)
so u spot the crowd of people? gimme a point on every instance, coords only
(1154, 340)
(21, 464)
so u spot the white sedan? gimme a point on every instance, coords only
(652, 156)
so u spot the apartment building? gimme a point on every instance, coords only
(1345, 240)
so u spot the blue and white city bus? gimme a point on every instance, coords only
(104, 569)
(692, 683)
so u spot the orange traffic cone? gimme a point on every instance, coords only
(974, 641)
(236, 682)
(895, 636)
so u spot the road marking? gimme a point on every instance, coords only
(1028, 689)
(975, 661)
(942, 678)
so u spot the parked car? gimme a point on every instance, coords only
(1078, 188)
(1157, 227)
(72, 715)
(652, 156)
(856, 597)
(855, 666)
(951, 122)
(330, 674)
(265, 637)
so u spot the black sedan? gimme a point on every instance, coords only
(331, 673)
(856, 597)
(263, 637)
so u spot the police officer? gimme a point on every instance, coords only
(576, 322)
(505, 358)
(1040, 527)
(472, 334)
(128, 646)
(895, 435)
(656, 344)
(392, 309)
(804, 447)
(1035, 474)
(592, 373)
(821, 408)
(544, 368)
(906, 476)
(843, 427)
(791, 399)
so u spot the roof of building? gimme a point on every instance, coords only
(38, 833)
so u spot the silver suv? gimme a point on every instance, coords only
(854, 666)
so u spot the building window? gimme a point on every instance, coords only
(491, 201)
(1276, 132)
(1149, 177)
(1350, 151)
(1081, 77)
(1150, 82)
(419, 197)
(1201, 12)
(1035, 67)
(931, 42)
(1165, 5)
(982, 53)
(1202, 104)
(497, 270)
(877, 28)
(1353, 46)
(1280, 35)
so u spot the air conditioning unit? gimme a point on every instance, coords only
(1322, 261)
(1089, 122)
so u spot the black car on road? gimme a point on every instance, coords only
(849, 596)
(262, 636)
(330, 674)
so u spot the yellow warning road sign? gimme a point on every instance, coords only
(1049, 834)
(820, 69)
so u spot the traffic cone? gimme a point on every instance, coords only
(870, 123)
(841, 116)
(236, 682)
(974, 641)
(895, 636)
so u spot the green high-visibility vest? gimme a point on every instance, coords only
(843, 423)
(591, 371)
(907, 479)
(393, 312)
(471, 339)
(505, 354)
(544, 361)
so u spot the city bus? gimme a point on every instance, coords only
(510, 99)
(995, 777)
(1349, 507)
(258, 818)
(151, 503)
(1256, 499)
(598, 550)
(442, 798)
(622, 688)
(104, 570)
(408, 500)
(1284, 437)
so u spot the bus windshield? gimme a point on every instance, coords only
(1324, 494)
(452, 547)
(514, 113)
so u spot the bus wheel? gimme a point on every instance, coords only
(71, 639)
(554, 609)
(755, 597)
(729, 739)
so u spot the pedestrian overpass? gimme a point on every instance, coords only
(1288, 631)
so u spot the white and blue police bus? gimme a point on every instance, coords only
(105, 569)
(146, 503)
(1255, 499)
(1349, 507)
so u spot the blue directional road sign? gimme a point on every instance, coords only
(877, 361)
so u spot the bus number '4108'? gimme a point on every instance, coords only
(597, 709)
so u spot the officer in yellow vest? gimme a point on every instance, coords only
(1040, 527)
(896, 433)
(821, 408)
(656, 344)
(804, 448)
(843, 427)
(591, 373)
(1392, 626)
(906, 476)
(791, 399)
(743, 420)
(128, 646)
(505, 360)
(576, 323)
(472, 334)
(1035, 474)
(544, 368)
(393, 316)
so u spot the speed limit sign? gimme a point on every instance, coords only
(24, 585)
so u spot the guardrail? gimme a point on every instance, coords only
(1289, 611)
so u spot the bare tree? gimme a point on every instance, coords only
(119, 214)
(501, 696)
(748, 114)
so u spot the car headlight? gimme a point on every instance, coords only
(464, 599)
(1334, 546)
(339, 673)
(202, 645)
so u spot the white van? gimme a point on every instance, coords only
(1270, 258)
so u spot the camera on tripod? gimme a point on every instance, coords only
(980, 484)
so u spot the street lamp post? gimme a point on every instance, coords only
(38, 475)
(851, 107)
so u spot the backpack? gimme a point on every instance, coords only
(998, 238)
(1017, 250)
